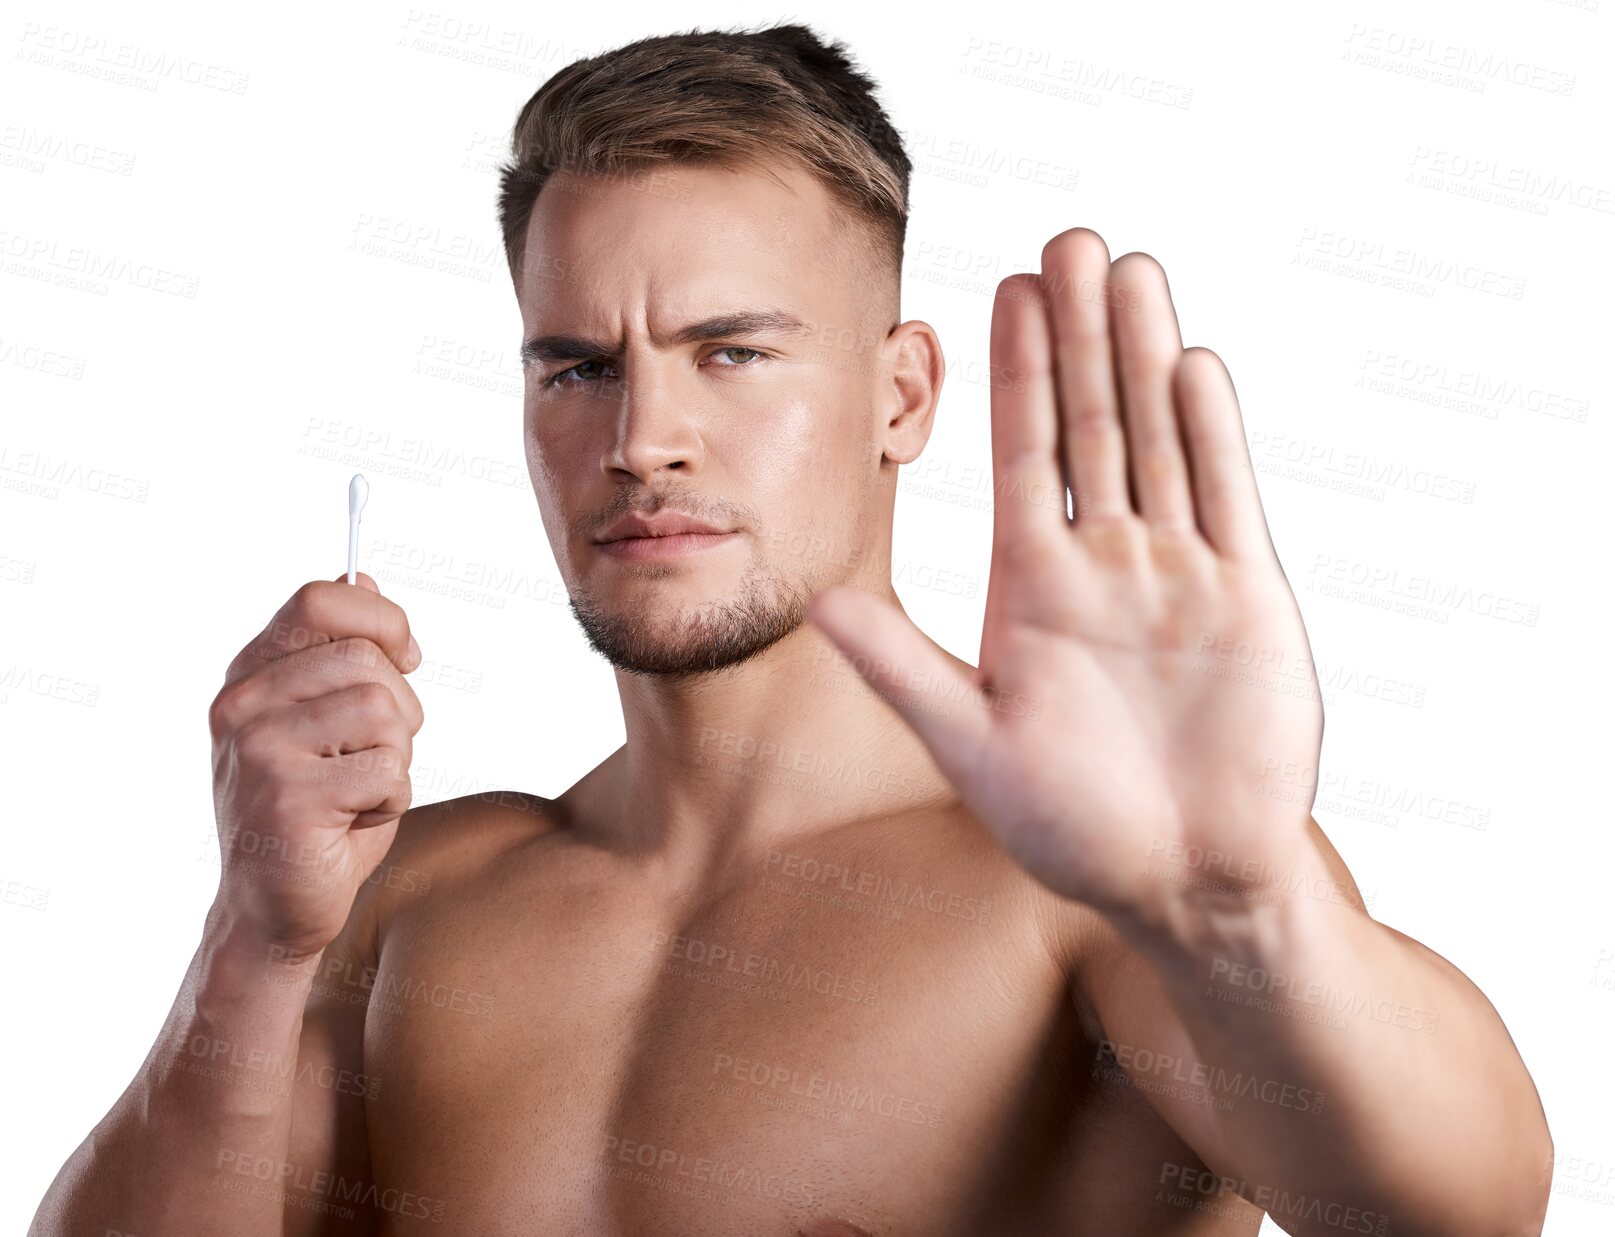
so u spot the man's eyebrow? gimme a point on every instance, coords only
(739, 322)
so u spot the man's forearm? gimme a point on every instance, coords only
(211, 1102)
(1428, 1117)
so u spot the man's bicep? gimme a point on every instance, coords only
(327, 1172)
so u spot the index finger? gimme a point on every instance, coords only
(326, 610)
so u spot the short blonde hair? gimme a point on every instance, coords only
(735, 99)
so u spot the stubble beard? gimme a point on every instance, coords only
(698, 641)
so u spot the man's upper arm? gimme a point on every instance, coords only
(327, 1170)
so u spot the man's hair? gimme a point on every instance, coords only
(734, 99)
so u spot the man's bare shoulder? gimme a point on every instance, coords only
(463, 826)
(440, 845)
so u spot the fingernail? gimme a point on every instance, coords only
(414, 652)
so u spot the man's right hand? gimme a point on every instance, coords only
(312, 740)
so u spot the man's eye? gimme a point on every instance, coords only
(580, 378)
(558, 380)
(737, 348)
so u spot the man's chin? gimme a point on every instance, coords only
(692, 640)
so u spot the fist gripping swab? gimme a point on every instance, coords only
(358, 491)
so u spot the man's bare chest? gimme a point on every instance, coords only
(886, 1046)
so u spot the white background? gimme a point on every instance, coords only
(302, 278)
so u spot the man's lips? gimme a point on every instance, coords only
(637, 536)
(662, 524)
(673, 545)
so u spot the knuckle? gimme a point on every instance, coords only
(284, 803)
(1173, 536)
(1094, 424)
(391, 623)
(397, 622)
(1146, 370)
(309, 598)
(228, 708)
(1159, 462)
(256, 740)
(375, 698)
(416, 714)
(300, 623)
(382, 766)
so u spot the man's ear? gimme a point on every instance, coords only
(911, 384)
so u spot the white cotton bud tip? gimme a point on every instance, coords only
(358, 491)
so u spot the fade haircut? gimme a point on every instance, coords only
(743, 100)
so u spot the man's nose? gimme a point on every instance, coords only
(655, 428)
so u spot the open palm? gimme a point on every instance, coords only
(1144, 683)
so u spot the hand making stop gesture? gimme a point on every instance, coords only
(1154, 636)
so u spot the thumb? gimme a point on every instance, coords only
(360, 580)
(938, 701)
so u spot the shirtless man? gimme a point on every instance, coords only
(849, 936)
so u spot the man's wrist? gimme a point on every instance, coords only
(238, 954)
(1198, 908)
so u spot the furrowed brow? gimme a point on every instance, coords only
(744, 322)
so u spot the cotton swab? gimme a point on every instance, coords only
(358, 491)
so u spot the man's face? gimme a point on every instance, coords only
(764, 434)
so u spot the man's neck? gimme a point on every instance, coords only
(723, 768)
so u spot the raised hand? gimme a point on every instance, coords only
(1152, 647)
(313, 734)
